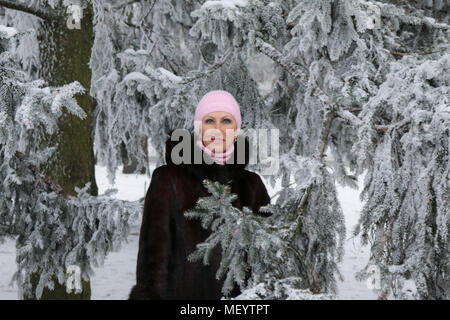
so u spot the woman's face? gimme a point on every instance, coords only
(218, 130)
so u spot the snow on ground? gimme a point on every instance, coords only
(7, 269)
(116, 277)
(355, 256)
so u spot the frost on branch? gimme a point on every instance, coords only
(406, 213)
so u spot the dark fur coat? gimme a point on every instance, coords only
(167, 237)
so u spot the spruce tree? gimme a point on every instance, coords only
(48, 196)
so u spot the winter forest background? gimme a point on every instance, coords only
(360, 91)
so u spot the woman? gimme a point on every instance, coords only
(166, 236)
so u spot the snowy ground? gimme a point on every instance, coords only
(115, 279)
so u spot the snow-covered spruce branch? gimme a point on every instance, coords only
(408, 173)
(211, 69)
(294, 69)
(46, 13)
(126, 3)
(347, 115)
(330, 116)
(302, 74)
(68, 231)
(167, 78)
(390, 127)
(299, 72)
(393, 11)
(54, 230)
(252, 246)
(299, 210)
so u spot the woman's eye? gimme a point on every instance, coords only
(227, 121)
(208, 121)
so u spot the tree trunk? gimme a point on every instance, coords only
(64, 57)
(129, 162)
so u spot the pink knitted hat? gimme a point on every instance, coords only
(217, 100)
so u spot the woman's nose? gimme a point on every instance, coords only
(220, 128)
(223, 131)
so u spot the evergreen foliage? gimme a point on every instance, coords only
(275, 248)
(52, 230)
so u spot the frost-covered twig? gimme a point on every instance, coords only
(294, 69)
(398, 125)
(210, 70)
